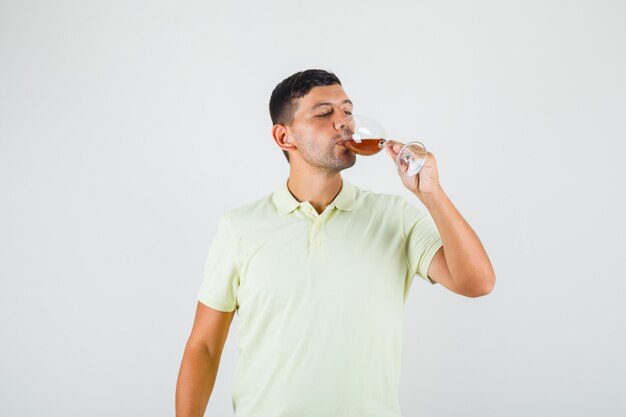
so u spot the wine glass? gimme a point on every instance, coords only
(365, 136)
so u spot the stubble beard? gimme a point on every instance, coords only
(329, 160)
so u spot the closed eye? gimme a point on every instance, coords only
(349, 113)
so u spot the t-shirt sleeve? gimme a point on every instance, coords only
(422, 240)
(220, 281)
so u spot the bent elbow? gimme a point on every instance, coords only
(488, 283)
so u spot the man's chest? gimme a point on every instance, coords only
(304, 260)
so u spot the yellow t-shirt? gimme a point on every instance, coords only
(320, 298)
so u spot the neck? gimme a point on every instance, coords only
(318, 188)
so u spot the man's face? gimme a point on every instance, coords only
(315, 129)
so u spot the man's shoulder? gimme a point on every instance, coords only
(388, 205)
(369, 197)
(261, 206)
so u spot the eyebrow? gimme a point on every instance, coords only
(329, 104)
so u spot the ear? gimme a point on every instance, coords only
(282, 138)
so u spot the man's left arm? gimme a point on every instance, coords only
(462, 265)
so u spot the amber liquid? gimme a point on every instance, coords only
(365, 147)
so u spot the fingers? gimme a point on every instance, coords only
(393, 147)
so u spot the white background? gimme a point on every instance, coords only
(128, 127)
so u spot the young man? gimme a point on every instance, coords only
(319, 271)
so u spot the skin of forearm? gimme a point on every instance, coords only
(196, 379)
(466, 257)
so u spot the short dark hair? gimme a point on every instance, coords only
(282, 101)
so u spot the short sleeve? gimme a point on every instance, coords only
(422, 240)
(220, 281)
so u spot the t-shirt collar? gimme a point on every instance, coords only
(286, 203)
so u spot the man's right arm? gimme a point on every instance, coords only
(201, 360)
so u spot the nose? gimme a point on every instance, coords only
(344, 123)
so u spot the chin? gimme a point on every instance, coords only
(349, 164)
